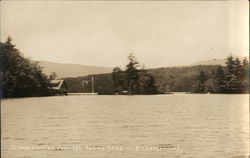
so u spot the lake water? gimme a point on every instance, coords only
(155, 126)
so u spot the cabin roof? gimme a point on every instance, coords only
(57, 84)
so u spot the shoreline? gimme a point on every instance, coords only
(89, 94)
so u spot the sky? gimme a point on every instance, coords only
(103, 33)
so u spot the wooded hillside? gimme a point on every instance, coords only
(175, 79)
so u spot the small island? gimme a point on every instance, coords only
(133, 80)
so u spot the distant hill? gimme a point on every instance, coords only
(72, 70)
(221, 62)
(75, 70)
(211, 62)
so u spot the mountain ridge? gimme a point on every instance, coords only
(71, 70)
(75, 70)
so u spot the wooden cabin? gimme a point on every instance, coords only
(59, 87)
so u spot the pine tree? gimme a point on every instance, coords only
(19, 76)
(132, 75)
(147, 84)
(237, 67)
(245, 76)
(219, 81)
(199, 86)
(202, 77)
(233, 76)
(230, 64)
(118, 77)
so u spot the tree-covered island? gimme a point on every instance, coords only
(133, 80)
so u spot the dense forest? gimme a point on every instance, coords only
(19, 77)
(232, 78)
(180, 79)
(175, 79)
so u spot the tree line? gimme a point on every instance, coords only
(19, 76)
(233, 78)
(195, 79)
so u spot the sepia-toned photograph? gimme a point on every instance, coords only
(124, 79)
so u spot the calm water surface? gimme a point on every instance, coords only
(179, 125)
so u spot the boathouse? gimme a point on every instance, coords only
(59, 87)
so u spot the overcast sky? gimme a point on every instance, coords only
(163, 33)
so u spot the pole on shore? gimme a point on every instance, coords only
(92, 84)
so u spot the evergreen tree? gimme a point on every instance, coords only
(199, 86)
(133, 80)
(118, 77)
(132, 75)
(233, 84)
(219, 81)
(245, 67)
(230, 64)
(19, 76)
(233, 77)
(202, 77)
(237, 68)
(210, 86)
(147, 84)
(245, 76)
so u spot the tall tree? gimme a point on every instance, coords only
(19, 76)
(133, 80)
(237, 67)
(219, 81)
(230, 64)
(119, 79)
(245, 76)
(199, 86)
(202, 77)
(132, 74)
(233, 76)
(147, 84)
